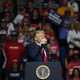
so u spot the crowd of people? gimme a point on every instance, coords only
(24, 37)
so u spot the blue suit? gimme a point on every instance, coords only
(34, 53)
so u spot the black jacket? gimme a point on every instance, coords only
(2, 58)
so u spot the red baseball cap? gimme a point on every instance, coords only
(26, 15)
(6, 4)
(76, 52)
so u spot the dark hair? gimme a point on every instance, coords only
(13, 64)
(36, 10)
(74, 71)
(67, 12)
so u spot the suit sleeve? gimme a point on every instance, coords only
(33, 51)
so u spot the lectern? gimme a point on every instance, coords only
(43, 71)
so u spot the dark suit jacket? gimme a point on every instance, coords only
(34, 53)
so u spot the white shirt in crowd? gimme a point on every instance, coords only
(18, 19)
(10, 28)
(71, 36)
(74, 5)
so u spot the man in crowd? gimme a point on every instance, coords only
(13, 49)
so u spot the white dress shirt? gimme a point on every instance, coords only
(74, 5)
(71, 35)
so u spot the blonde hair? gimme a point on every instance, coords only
(75, 23)
(38, 32)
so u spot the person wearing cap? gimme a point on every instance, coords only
(26, 19)
(3, 59)
(13, 49)
(14, 73)
(3, 25)
(6, 8)
(3, 38)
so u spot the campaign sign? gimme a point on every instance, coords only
(54, 18)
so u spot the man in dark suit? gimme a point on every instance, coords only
(37, 51)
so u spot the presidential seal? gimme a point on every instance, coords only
(43, 72)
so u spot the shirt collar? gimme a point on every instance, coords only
(38, 44)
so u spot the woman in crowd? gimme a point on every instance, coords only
(73, 37)
(35, 19)
(75, 74)
(14, 73)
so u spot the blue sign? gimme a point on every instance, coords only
(54, 18)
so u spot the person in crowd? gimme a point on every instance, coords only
(3, 59)
(38, 4)
(3, 38)
(23, 27)
(9, 23)
(72, 61)
(19, 17)
(35, 19)
(48, 31)
(3, 25)
(2, 62)
(48, 45)
(14, 73)
(74, 5)
(30, 7)
(23, 61)
(13, 49)
(21, 35)
(37, 51)
(63, 7)
(6, 5)
(23, 32)
(63, 32)
(75, 74)
(69, 57)
(74, 36)
(45, 11)
(30, 36)
(54, 48)
(26, 19)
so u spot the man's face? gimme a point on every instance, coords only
(3, 38)
(39, 37)
(30, 5)
(14, 38)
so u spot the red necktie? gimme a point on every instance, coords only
(44, 55)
